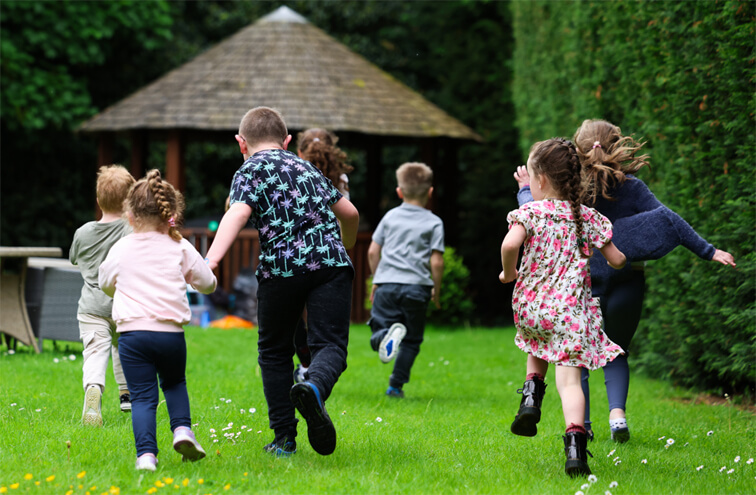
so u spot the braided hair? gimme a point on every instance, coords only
(558, 160)
(154, 201)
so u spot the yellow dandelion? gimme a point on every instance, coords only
(14, 486)
(176, 487)
(81, 474)
(37, 482)
(200, 481)
(114, 490)
(69, 492)
(168, 481)
(245, 474)
(227, 487)
(152, 490)
(159, 484)
(185, 482)
(80, 487)
(88, 493)
(28, 476)
(93, 488)
(3, 489)
(50, 478)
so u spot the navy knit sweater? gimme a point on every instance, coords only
(644, 229)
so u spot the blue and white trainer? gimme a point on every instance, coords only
(390, 344)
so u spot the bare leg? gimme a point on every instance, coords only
(537, 365)
(571, 393)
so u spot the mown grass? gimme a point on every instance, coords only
(450, 434)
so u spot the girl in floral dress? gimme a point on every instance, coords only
(557, 320)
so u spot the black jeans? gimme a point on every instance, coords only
(327, 293)
(406, 304)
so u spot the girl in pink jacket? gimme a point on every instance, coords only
(146, 274)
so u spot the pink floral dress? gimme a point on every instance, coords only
(557, 320)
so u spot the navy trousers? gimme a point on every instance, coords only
(145, 357)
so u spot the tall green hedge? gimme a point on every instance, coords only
(681, 76)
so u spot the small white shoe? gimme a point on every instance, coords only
(92, 414)
(187, 445)
(390, 343)
(146, 462)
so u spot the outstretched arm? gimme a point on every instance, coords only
(510, 249)
(349, 219)
(231, 224)
(723, 257)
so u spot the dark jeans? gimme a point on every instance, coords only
(406, 304)
(327, 293)
(621, 306)
(145, 356)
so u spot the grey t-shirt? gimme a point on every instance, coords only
(91, 244)
(407, 235)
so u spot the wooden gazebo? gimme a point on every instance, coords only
(283, 61)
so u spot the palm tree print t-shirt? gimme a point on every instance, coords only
(291, 209)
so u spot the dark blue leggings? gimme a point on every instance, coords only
(145, 356)
(621, 305)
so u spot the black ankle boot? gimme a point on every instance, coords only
(529, 414)
(575, 448)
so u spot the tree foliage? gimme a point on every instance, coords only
(679, 75)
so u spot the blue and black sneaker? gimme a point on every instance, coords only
(281, 448)
(390, 343)
(320, 431)
(395, 392)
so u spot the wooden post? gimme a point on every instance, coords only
(374, 186)
(138, 153)
(174, 160)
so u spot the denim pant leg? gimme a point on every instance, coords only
(329, 305)
(280, 303)
(414, 306)
(385, 312)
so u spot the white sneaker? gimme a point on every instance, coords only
(390, 343)
(187, 445)
(92, 414)
(147, 462)
(299, 374)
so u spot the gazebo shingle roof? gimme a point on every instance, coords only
(281, 61)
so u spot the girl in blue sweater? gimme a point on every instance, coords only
(644, 229)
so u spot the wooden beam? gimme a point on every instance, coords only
(174, 160)
(138, 153)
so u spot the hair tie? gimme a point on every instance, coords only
(172, 222)
(596, 144)
(316, 140)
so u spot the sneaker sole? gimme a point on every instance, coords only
(189, 450)
(320, 430)
(92, 416)
(576, 467)
(396, 333)
(126, 408)
(525, 423)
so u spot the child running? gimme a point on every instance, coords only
(407, 261)
(305, 227)
(557, 320)
(97, 330)
(318, 146)
(146, 273)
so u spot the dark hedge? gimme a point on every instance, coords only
(679, 75)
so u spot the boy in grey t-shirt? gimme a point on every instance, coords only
(91, 244)
(406, 259)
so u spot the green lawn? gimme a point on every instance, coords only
(450, 435)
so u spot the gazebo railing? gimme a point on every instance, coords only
(245, 252)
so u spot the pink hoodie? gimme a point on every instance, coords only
(146, 275)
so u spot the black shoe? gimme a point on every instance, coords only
(281, 448)
(320, 431)
(125, 403)
(575, 448)
(529, 414)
